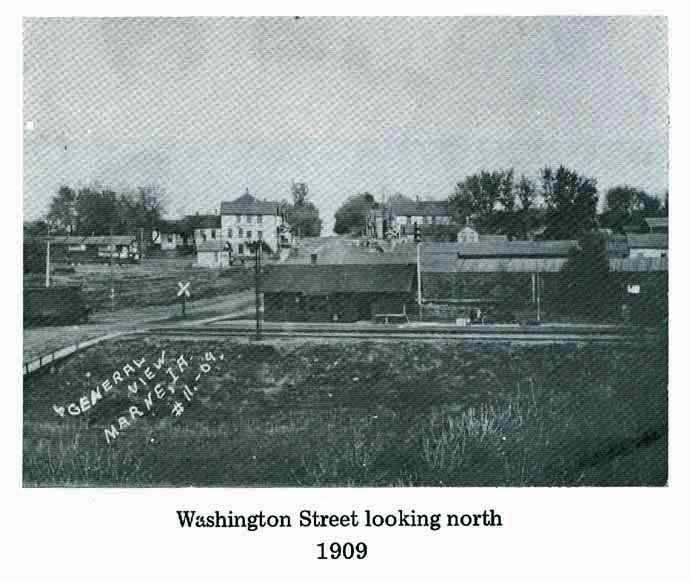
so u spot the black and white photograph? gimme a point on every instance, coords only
(345, 252)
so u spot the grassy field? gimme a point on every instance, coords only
(347, 413)
(152, 282)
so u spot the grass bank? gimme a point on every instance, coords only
(360, 414)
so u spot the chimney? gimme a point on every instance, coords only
(314, 258)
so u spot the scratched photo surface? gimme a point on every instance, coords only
(310, 252)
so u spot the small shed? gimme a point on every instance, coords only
(212, 254)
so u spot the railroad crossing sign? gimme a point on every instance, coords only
(185, 294)
(184, 289)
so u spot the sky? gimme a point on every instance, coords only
(206, 108)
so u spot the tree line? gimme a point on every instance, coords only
(559, 204)
(98, 210)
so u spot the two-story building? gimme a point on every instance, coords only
(248, 219)
(409, 212)
(399, 217)
(205, 227)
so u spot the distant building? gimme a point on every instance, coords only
(205, 227)
(407, 212)
(78, 249)
(399, 217)
(248, 219)
(379, 222)
(656, 225)
(172, 235)
(468, 235)
(212, 254)
(647, 245)
(617, 246)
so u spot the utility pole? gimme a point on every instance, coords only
(418, 241)
(48, 261)
(538, 284)
(112, 281)
(257, 285)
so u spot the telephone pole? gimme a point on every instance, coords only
(257, 285)
(418, 243)
(111, 248)
(48, 261)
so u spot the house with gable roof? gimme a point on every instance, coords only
(248, 219)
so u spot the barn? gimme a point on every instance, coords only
(337, 292)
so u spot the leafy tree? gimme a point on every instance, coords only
(97, 210)
(488, 199)
(141, 209)
(151, 203)
(351, 217)
(586, 286)
(299, 191)
(571, 203)
(626, 205)
(526, 193)
(62, 215)
(35, 228)
(302, 215)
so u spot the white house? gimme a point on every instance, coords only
(248, 219)
(468, 235)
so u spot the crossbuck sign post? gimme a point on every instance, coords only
(185, 294)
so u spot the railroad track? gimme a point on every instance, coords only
(512, 336)
(194, 331)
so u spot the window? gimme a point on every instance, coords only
(259, 219)
(240, 249)
(433, 219)
(229, 232)
(409, 219)
(170, 238)
(238, 218)
(260, 234)
(250, 219)
(239, 232)
(249, 234)
(425, 219)
(203, 236)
